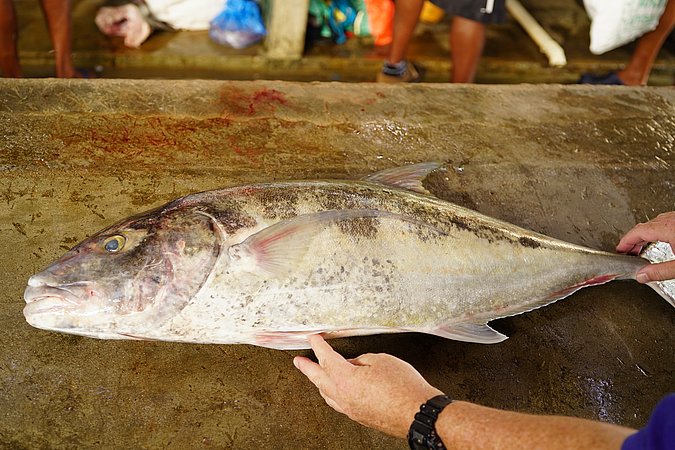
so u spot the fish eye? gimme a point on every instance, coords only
(114, 244)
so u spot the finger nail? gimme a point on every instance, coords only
(295, 362)
(642, 277)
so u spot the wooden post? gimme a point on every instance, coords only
(286, 29)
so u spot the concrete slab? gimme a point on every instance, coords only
(575, 162)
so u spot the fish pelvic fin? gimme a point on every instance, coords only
(298, 339)
(406, 177)
(659, 252)
(480, 333)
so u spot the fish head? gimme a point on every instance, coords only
(127, 280)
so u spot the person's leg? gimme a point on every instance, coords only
(57, 13)
(467, 38)
(396, 69)
(647, 48)
(406, 15)
(9, 57)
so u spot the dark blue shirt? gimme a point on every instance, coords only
(659, 434)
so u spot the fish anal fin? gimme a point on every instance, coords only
(469, 332)
(405, 177)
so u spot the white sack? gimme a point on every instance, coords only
(618, 22)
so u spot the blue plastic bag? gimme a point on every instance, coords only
(335, 18)
(239, 25)
(341, 19)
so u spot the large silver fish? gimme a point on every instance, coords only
(271, 264)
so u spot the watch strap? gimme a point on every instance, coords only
(422, 433)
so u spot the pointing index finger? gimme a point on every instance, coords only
(328, 358)
(321, 374)
(314, 372)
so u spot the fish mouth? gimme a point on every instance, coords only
(48, 299)
(60, 309)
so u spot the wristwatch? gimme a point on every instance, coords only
(422, 434)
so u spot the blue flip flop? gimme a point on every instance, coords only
(610, 78)
(87, 73)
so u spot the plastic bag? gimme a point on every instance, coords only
(239, 25)
(340, 19)
(381, 20)
(618, 22)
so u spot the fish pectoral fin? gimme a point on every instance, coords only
(469, 332)
(277, 249)
(406, 177)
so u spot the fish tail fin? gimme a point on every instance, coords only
(660, 252)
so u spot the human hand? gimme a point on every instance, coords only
(124, 21)
(661, 228)
(376, 390)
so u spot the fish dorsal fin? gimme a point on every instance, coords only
(469, 332)
(278, 248)
(406, 177)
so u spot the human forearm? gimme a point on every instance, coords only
(384, 392)
(469, 426)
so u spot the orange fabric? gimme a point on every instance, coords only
(381, 20)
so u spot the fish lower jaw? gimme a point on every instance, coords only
(45, 292)
(42, 306)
